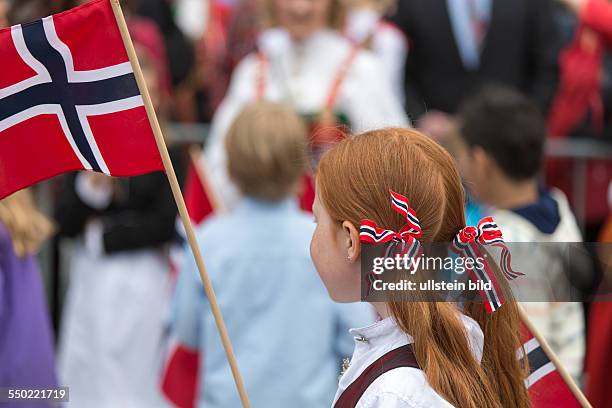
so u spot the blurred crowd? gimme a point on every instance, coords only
(496, 82)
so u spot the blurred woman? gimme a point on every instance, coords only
(26, 345)
(304, 61)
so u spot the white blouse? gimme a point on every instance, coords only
(403, 387)
(301, 75)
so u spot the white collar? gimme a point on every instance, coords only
(386, 331)
(379, 334)
(375, 340)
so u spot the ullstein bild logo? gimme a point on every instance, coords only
(430, 285)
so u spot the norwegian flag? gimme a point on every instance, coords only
(181, 373)
(547, 388)
(69, 100)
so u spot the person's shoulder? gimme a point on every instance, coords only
(216, 227)
(291, 224)
(390, 33)
(303, 222)
(302, 217)
(568, 228)
(404, 387)
(366, 66)
(247, 64)
(514, 227)
(290, 230)
(246, 69)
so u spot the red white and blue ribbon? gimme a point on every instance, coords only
(400, 204)
(403, 242)
(406, 238)
(466, 243)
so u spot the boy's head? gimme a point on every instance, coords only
(267, 149)
(503, 133)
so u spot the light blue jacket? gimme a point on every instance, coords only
(288, 336)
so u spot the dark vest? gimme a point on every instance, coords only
(399, 357)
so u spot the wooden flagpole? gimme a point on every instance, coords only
(180, 202)
(195, 154)
(555, 360)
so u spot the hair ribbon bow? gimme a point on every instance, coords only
(466, 243)
(487, 233)
(407, 236)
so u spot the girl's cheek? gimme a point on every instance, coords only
(315, 245)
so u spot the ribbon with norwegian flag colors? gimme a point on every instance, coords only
(466, 244)
(69, 100)
(404, 242)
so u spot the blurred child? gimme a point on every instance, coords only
(26, 342)
(421, 354)
(504, 134)
(283, 328)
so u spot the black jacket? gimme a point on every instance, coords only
(142, 215)
(520, 50)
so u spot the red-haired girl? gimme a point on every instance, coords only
(450, 355)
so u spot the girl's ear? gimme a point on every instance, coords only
(351, 237)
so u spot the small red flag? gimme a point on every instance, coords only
(181, 376)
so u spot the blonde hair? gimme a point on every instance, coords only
(267, 149)
(336, 19)
(27, 227)
(354, 179)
